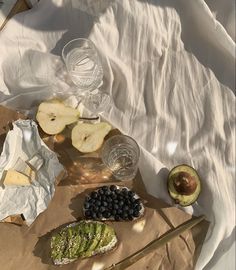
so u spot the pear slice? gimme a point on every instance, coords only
(53, 116)
(87, 137)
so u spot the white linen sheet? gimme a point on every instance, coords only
(170, 69)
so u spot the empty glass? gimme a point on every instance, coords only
(120, 154)
(84, 67)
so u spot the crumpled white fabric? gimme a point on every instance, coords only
(169, 67)
(23, 143)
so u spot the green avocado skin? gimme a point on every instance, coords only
(83, 240)
(183, 200)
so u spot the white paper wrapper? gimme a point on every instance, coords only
(23, 143)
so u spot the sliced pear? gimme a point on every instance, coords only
(53, 116)
(87, 137)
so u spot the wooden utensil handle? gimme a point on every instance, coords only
(155, 244)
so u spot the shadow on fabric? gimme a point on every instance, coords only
(197, 42)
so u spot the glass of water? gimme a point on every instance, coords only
(120, 154)
(85, 70)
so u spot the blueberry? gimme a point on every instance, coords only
(120, 197)
(124, 215)
(115, 201)
(127, 201)
(114, 196)
(131, 193)
(110, 206)
(119, 212)
(138, 207)
(98, 203)
(116, 206)
(126, 195)
(94, 195)
(121, 203)
(113, 187)
(92, 201)
(104, 203)
(108, 192)
(132, 199)
(99, 215)
(99, 197)
(113, 212)
(125, 207)
(106, 214)
(95, 208)
(117, 218)
(102, 209)
(131, 211)
(101, 191)
(138, 201)
(105, 188)
(130, 217)
(109, 199)
(136, 213)
(87, 198)
(117, 191)
(87, 213)
(124, 191)
(94, 216)
(86, 205)
(103, 198)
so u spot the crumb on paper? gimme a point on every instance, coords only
(139, 226)
(98, 266)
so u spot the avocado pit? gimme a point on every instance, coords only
(185, 184)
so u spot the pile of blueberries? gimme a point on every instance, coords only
(110, 202)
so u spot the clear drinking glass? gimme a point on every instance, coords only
(85, 69)
(120, 154)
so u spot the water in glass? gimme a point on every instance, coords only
(121, 161)
(120, 154)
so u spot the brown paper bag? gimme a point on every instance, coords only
(28, 248)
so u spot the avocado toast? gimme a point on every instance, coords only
(82, 239)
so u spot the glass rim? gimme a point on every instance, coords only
(77, 39)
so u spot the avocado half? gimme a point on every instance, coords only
(184, 185)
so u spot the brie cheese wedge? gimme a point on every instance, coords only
(14, 178)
